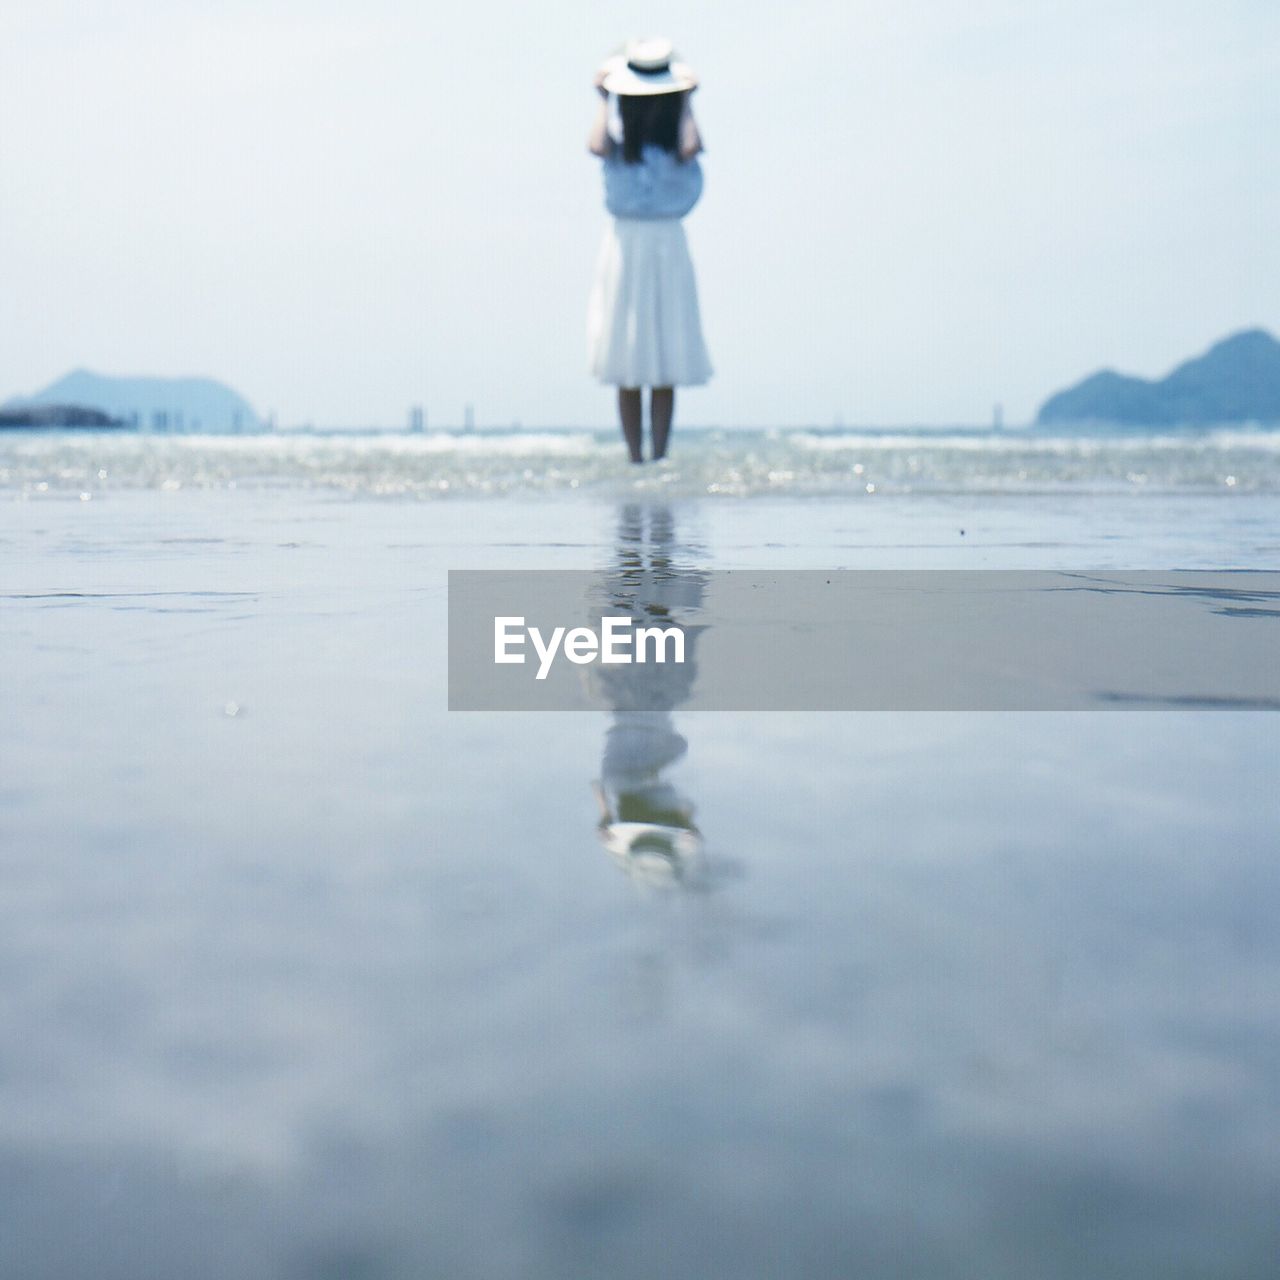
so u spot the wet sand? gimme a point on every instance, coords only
(305, 976)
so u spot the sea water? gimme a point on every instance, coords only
(304, 976)
(705, 462)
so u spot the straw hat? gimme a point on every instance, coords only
(647, 67)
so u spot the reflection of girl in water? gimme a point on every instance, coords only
(646, 823)
(643, 324)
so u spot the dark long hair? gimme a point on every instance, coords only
(650, 120)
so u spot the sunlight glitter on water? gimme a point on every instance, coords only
(733, 463)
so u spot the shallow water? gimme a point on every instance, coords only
(306, 977)
(707, 462)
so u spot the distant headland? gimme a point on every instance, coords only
(83, 398)
(1236, 380)
(57, 415)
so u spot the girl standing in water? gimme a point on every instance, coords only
(643, 328)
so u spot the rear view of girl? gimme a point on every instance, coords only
(643, 328)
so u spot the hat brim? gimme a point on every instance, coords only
(620, 79)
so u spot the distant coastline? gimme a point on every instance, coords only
(59, 415)
(1235, 383)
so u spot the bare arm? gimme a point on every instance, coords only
(602, 800)
(690, 138)
(598, 141)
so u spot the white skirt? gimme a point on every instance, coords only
(643, 328)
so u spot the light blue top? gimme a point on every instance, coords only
(660, 186)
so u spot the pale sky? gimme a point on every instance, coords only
(912, 210)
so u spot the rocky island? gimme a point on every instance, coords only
(150, 404)
(1237, 380)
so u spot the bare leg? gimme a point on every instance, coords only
(630, 413)
(662, 407)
